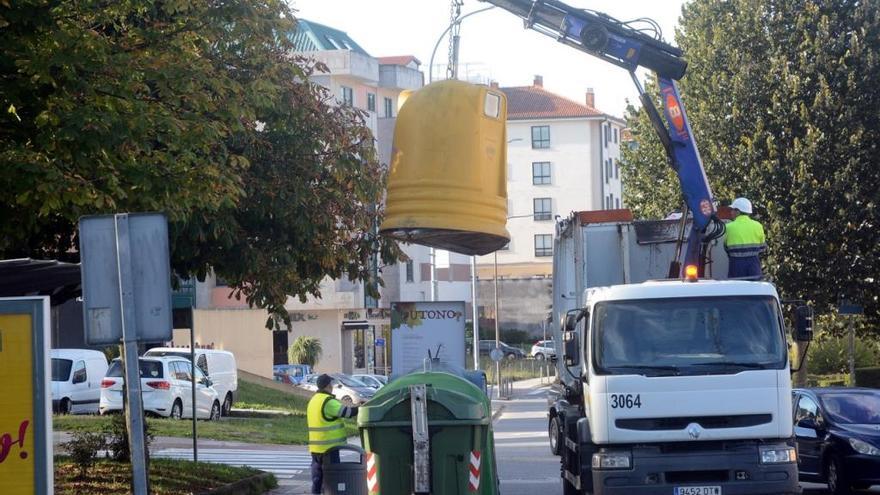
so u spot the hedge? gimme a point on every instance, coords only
(868, 377)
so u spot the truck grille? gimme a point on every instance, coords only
(707, 422)
(696, 476)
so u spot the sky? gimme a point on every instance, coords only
(493, 43)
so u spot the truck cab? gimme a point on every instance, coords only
(684, 388)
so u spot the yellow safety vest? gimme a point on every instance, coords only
(745, 238)
(326, 429)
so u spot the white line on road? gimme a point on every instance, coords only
(521, 444)
(523, 415)
(504, 435)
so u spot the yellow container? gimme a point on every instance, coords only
(447, 186)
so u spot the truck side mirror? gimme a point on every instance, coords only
(572, 318)
(803, 324)
(570, 350)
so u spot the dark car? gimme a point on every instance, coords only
(510, 352)
(838, 437)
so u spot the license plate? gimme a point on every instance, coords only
(697, 490)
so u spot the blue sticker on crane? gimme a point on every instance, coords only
(691, 174)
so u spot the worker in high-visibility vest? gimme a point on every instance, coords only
(326, 428)
(744, 242)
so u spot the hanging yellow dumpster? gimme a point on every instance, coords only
(447, 186)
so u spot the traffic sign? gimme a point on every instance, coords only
(380, 342)
(496, 354)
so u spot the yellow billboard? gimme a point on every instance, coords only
(25, 452)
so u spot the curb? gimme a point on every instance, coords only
(246, 486)
(498, 412)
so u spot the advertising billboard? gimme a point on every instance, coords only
(25, 404)
(427, 331)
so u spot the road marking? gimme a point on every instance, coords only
(505, 435)
(284, 464)
(521, 444)
(524, 415)
(542, 390)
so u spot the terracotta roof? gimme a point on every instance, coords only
(398, 60)
(533, 102)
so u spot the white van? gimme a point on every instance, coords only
(76, 380)
(218, 365)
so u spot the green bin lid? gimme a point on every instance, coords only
(450, 398)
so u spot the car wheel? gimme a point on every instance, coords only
(539, 356)
(553, 432)
(64, 406)
(215, 411)
(837, 483)
(227, 404)
(511, 356)
(177, 410)
(347, 401)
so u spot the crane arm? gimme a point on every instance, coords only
(620, 44)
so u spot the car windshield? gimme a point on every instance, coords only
(61, 369)
(852, 408)
(149, 369)
(688, 335)
(349, 381)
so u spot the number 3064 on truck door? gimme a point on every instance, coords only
(625, 401)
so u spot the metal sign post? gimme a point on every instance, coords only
(134, 414)
(126, 282)
(851, 309)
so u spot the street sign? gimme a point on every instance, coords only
(101, 240)
(380, 342)
(26, 401)
(496, 354)
(850, 309)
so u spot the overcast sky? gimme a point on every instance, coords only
(493, 43)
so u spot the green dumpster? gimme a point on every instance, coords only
(450, 451)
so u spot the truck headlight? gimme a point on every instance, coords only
(612, 460)
(863, 447)
(777, 455)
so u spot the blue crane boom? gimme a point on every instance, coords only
(621, 44)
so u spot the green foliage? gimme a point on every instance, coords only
(782, 99)
(831, 354)
(515, 337)
(195, 109)
(83, 448)
(305, 350)
(117, 438)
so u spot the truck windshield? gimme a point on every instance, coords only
(684, 336)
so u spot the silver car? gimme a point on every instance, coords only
(348, 390)
(373, 381)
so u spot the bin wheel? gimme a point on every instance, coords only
(554, 432)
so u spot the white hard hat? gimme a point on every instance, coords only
(743, 205)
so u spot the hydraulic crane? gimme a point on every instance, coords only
(623, 45)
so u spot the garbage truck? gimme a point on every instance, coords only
(675, 386)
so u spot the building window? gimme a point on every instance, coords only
(544, 245)
(347, 96)
(617, 203)
(615, 135)
(389, 110)
(607, 170)
(541, 173)
(371, 102)
(616, 168)
(543, 208)
(541, 136)
(607, 134)
(410, 276)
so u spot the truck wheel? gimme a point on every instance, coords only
(553, 432)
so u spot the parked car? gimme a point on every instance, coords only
(373, 381)
(217, 365)
(76, 380)
(837, 431)
(166, 384)
(543, 349)
(290, 373)
(345, 388)
(510, 352)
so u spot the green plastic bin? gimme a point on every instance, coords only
(462, 448)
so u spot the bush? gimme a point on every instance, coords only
(868, 377)
(516, 337)
(829, 354)
(305, 350)
(117, 443)
(83, 448)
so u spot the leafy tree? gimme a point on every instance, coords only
(783, 102)
(192, 108)
(305, 350)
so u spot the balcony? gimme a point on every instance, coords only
(348, 63)
(399, 77)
